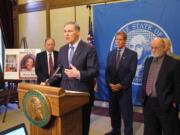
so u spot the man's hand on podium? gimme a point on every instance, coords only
(43, 83)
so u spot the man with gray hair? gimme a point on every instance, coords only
(120, 71)
(160, 91)
(80, 64)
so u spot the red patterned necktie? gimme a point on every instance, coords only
(51, 67)
(150, 79)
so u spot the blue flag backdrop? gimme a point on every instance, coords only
(142, 20)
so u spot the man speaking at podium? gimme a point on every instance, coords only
(80, 64)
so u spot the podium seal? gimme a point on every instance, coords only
(36, 108)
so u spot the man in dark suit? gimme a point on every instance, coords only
(160, 91)
(80, 64)
(46, 61)
(168, 51)
(120, 71)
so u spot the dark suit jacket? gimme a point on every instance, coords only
(41, 66)
(126, 71)
(86, 61)
(167, 84)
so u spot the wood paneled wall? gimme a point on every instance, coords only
(38, 19)
(53, 4)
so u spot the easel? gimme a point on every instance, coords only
(9, 94)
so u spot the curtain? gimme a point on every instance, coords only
(1, 79)
(6, 22)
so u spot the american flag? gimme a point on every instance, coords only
(90, 38)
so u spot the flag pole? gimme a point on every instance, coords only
(90, 21)
(90, 29)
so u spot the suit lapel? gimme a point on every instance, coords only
(146, 69)
(44, 58)
(114, 58)
(123, 57)
(66, 56)
(125, 53)
(54, 57)
(162, 69)
(77, 52)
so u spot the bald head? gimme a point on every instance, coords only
(49, 44)
(157, 47)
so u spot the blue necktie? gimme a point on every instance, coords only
(71, 53)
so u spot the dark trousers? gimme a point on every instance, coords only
(158, 121)
(120, 103)
(86, 113)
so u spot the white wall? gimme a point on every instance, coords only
(33, 26)
(58, 17)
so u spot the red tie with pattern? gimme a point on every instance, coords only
(150, 79)
(51, 67)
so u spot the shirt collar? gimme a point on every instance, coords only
(159, 59)
(49, 52)
(122, 49)
(75, 44)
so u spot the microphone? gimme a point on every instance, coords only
(56, 77)
(57, 72)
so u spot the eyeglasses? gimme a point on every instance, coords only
(156, 48)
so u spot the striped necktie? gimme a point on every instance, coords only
(151, 78)
(71, 53)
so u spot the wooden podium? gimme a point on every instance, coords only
(66, 114)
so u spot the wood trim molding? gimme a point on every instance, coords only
(48, 23)
(69, 3)
(53, 4)
(32, 7)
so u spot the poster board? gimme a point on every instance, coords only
(20, 64)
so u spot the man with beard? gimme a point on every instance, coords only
(160, 91)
